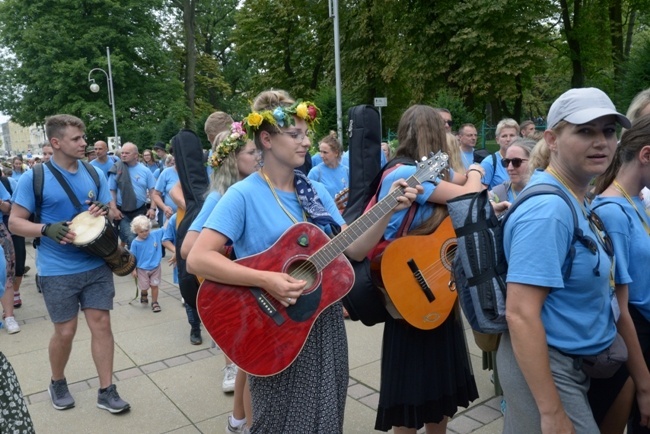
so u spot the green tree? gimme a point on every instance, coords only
(51, 46)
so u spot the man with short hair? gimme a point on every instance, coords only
(467, 137)
(445, 114)
(130, 183)
(526, 128)
(69, 277)
(102, 160)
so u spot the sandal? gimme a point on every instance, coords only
(144, 299)
(155, 307)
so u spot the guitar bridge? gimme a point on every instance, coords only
(266, 306)
(422, 282)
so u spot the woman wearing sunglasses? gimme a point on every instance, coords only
(516, 164)
(628, 225)
(555, 317)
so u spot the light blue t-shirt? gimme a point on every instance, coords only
(631, 246)
(16, 175)
(167, 179)
(148, 252)
(345, 159)
(316, 159)
(209, 204)
(53, 258)
(170, 235)
(104, 167)
(335, 180)
(493, 177)
(577, 313)
(468, 158)
(424, 210)
(142, 181)
(252, 219)
(4, 195)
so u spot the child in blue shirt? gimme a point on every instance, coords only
(147, 249)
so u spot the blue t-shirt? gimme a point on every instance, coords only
(104, 167)
(209, 204)
(167, 179)
(316, 159)
(468, 158)
(16, 175)
(494, 177)
(424, 210)
(157, 165)
(4, 195)
(345, 159)
(335, 180)
(142, 181)
(251, 218)
(53, 258)
(577, 313)
(631, 247)
(170, 235)
(148, 252)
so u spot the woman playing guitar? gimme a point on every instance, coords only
(425, 374)
(308, 396)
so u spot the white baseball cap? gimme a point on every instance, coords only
(579, 106)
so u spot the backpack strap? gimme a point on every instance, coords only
(578, 235)
(64, 184)
(37, 185)
(7, 184)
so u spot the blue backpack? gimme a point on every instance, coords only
(479, 267)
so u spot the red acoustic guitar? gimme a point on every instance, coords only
(415, 276)
(253, 329)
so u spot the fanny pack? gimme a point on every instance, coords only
(136, 212)
(606, 363)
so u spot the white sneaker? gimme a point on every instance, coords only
(229, 375)
(239, 429)
(11, 325)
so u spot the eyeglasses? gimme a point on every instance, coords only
(449, 122)
(516, 162)
(298, 136)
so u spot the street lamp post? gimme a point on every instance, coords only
(94, 87)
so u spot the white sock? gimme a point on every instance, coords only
(234, 422)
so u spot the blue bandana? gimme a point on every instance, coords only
(312, 204)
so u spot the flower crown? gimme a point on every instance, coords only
(236, 139)
(283, 116)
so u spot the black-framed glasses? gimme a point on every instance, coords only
(516, 162)
(449, 122)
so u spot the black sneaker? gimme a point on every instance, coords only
(60, 395)
(195, 337)
(110, 400)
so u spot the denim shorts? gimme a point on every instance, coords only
(64, 295)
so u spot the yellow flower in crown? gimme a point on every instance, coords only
(301, 111)
(254, 120)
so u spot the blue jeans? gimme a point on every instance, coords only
(124, 227)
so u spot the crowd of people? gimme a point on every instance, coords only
(260, 186)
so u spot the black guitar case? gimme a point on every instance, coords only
(363, 302)
(188, 154)
(364, 147)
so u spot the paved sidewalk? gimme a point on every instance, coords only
(175, 387)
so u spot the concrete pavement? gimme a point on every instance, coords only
(173, 386)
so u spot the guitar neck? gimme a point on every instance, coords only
(342, 241)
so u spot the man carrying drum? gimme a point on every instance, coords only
(81, 280)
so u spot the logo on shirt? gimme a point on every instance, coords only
(91, 194)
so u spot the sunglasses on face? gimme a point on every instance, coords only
(450, 123)
(516, 162)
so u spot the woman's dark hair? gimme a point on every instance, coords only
(632, 141)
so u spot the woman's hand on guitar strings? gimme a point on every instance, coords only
(284, 288)
(410, 193)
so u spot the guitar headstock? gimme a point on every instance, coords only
(429, 168)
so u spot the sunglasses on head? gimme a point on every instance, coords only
(516, 162)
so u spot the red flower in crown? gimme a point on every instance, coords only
(312, 111)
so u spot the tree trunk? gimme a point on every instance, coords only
(630, 31)
(189, 25)
(573, 41)
(616, 34)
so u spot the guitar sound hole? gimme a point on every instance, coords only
(448, 253)
(304, 270)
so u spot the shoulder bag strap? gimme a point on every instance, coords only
(64, 184)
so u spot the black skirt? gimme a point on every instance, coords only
(425, 374)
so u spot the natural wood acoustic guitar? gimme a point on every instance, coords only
(256, 331)
(414, 272)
